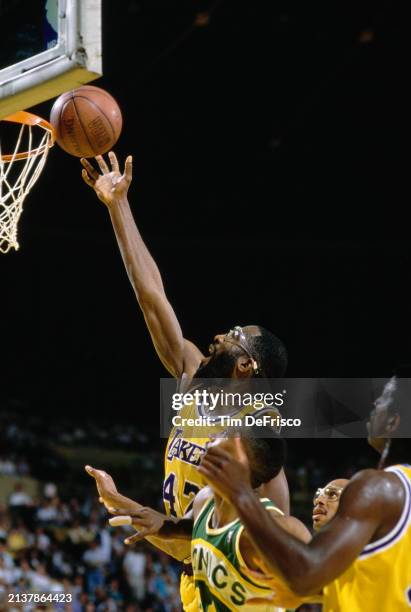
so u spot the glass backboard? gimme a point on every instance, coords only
(46, 47)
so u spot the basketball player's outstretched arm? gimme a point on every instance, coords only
(368, 503)
(147, 520)
(111, 186)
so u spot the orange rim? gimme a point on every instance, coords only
(33, 120)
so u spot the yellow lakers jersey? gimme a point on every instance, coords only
(183, 454)
(380, 579)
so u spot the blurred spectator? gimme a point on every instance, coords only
(114, 592)
(7, 467)
(5, 556)
(47, 511)
(134, 566)
(19, 498)
(50, 490)
(42, 540)
(95, 559)
(17, 540)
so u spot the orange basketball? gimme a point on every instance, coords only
(87, 121)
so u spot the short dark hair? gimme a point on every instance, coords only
(270, 352)
(266, 457)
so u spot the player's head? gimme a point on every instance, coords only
(389, 425)
(244, 352)
(265, 456)
(326, 501)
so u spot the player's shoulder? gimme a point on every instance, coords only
(377, 488)
(200, 500)
(375, 481)
(294, 526)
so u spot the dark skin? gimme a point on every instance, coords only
(370, 507)
(224, 513)
(179, 355)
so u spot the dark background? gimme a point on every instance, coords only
(270, 185)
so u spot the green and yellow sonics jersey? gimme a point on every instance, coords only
(220, 581)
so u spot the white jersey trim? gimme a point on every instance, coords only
(402, 525)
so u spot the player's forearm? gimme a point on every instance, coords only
(178, 549)
(140, 265)
(293, 560)
(277, 490)
(176, 529)
(174, 537)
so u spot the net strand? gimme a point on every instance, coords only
(17, 177)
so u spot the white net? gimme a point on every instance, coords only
(18, 173)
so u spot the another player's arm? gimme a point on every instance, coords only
(306, 568)
(176, 353)
(283, 595)
(149, 522)
(120, 505)
(168, 533)
(289, 524)
(277, 490)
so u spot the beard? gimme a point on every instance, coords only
(219, 366)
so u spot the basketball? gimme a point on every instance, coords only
(87, 121)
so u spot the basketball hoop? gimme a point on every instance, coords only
(20, 170)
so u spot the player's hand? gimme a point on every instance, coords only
(110, 186)
(227, 475)
(146, 522)
(114, 502)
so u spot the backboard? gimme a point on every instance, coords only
(46, 47)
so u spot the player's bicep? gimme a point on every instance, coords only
(340, 542)
(250, 553)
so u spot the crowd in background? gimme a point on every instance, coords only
(50, 545)
(29, 429)
(58, 539)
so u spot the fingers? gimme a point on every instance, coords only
(135, 538)
(91, 171)
(117, 521)
(209, 470)
(143, 524)
(102, 164)
(117, 511)
(210, 477)
(90, 470)
(90, 182)
(218, 453)
(240, 452)
(114, 161)
(128, 169)
(219, 460)
(98, 475)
